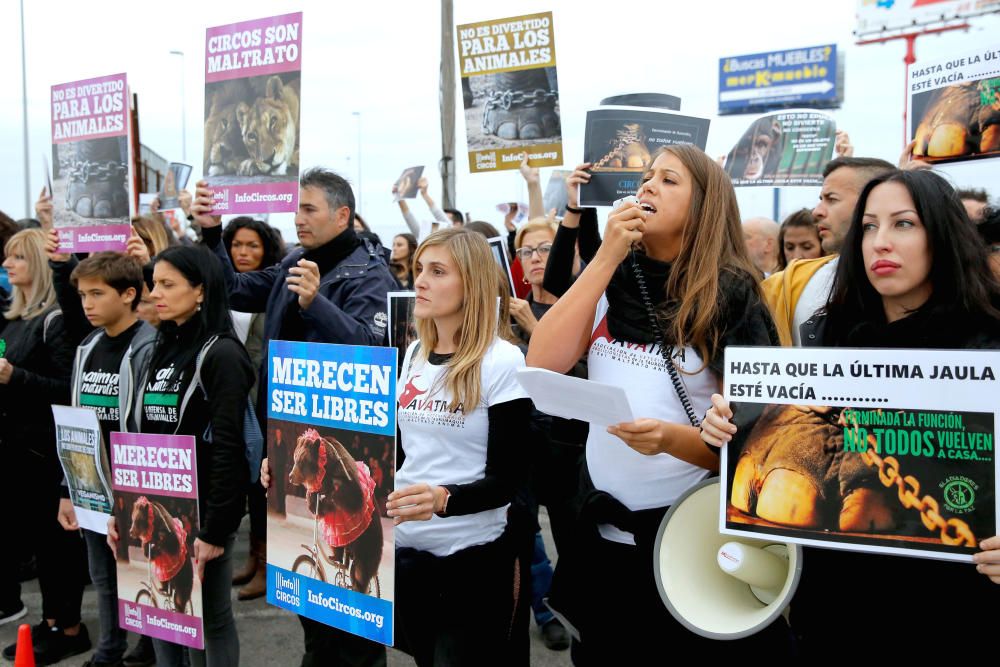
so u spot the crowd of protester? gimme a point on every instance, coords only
(673, 280)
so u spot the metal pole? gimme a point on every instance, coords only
(360, 203)
(183, 108)
(28, 213)
(446, 93)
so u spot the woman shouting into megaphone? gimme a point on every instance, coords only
(670, 287)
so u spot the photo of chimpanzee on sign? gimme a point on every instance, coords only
(783, 149)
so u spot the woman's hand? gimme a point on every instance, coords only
(184, 199)
(204, 203)
(204, 552)
(113, 534)
(265, 474)
(624, 229)
(716, 429)
(646, 436)
(67, 515)
(44, 208)
(508, 219)
(529, 173)
(520, 310)
(6, 370)
(52, 247)
(579, 176)
(988, 560)
(136, 247)
(418, 502)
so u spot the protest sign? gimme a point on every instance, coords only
(510, 92)
(954, 106)
(759, 82)
(252, 93)
(555, 192)
(885, 451)
(174, 181)
(407, 184)
(92, 168)
(498, 246)
(402, 328)
(784, 149)
(620, 141)
(156, 510)
(84, 464)
(331, 433)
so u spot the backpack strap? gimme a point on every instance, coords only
(196, 380)
(45, 324)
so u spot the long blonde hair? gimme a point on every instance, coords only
(711, 244)
(481, 323)
(31, 244)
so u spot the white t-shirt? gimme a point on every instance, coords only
(814, 296)
(636, 480)
(444, 447)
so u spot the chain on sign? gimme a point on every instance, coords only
(87, 171)
(953, 531)
(626, 136)
(505, 99)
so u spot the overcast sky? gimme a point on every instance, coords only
(382, 58)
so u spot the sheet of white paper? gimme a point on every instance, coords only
(572, 398)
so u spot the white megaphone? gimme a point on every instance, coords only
(720, 586)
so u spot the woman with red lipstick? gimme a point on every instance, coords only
(912, 274)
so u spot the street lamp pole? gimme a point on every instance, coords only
(24, 111)
(183, 109)
(357, 114)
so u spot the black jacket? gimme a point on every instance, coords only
(226, 376)
(42, 361)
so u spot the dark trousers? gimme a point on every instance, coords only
(461, 609)
(326, 646)
(622, 619)
(113, 641)
(29, 519)
(222, 642)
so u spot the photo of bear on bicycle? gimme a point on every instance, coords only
(333, 486)
(157, 521)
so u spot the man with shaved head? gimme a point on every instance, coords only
(761, 236)
(794, 294)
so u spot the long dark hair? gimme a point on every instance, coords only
(199, 267)
(274, 248)
(962, 282)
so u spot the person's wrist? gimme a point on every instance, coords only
(441, 496)
(574, 209)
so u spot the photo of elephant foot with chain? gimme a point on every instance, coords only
(793, 471)
(515, 107)
(961, 120)
(94, 173)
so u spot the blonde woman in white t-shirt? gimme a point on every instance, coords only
(669, 288)
(463, 421)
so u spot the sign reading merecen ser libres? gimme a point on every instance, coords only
(758, 82)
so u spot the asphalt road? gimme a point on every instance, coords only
(268, 635)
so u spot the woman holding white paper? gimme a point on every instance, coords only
(670, 287)
(463, 422)
(912, 274)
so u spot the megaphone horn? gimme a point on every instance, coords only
(713, 584)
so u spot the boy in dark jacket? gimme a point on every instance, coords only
(101, 293)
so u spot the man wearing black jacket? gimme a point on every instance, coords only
(332, 290)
